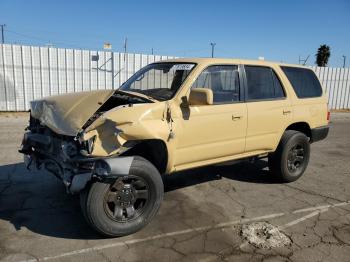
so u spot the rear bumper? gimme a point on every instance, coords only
(319, 133)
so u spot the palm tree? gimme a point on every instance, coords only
(323, 54)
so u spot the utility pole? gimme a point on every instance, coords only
(152, 51)
(125, 44)
(212, 49)
(344, 61)
(2, 33)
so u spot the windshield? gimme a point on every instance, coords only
(159, 80)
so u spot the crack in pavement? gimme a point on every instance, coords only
(313, 193)
(316, 211)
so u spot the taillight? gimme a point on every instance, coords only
(328, 115)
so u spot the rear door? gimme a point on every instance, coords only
(269, 110)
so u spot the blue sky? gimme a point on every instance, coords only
(277, 30)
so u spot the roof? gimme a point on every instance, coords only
(230, 60)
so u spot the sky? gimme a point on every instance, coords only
(276, 30)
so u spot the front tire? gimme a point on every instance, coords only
(289, 161)
(126, 204)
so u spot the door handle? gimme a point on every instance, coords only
(286, 112)
(236, 117)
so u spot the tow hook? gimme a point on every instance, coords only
(28, 161)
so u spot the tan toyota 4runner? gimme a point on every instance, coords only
(112, 146)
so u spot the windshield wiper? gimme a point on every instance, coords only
(140, 95)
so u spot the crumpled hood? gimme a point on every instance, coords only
(66, 114)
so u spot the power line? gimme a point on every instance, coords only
(41, 39)
(45, 41)
(49, 34)
(35, 37)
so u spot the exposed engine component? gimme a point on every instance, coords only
(69, 149)
(67, 156)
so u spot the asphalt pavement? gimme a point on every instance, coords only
(235, 212)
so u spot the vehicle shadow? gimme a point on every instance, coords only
(37, 200)
(250, 172)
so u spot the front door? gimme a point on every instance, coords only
(214, 131)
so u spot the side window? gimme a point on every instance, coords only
(263, 83)
(223, 80)
(304, 81)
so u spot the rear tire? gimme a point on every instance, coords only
(290, 160)
(126, 204)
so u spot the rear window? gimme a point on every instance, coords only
(263, 83)
(304, 81)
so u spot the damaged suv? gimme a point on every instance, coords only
(112, 146)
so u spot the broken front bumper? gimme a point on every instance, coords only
(44, 151)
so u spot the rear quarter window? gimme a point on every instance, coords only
(304, 82)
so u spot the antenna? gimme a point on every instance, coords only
(303, 60)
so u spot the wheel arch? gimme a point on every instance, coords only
(302, 127)
(154, 150)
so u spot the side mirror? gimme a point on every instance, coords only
(201, 96)
(184, 102)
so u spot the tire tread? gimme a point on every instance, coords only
(91, 196)
(275, 158)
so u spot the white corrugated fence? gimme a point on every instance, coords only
(336, 82)
(31, 72)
